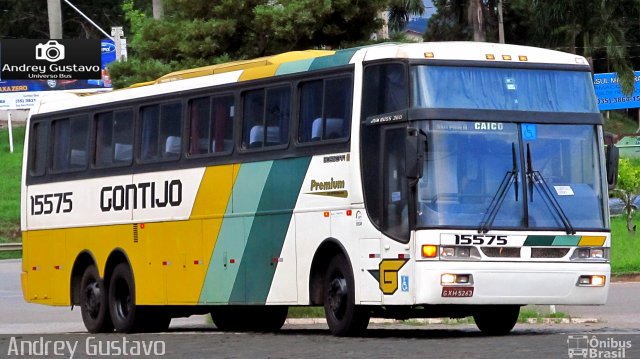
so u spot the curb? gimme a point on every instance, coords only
(631, 277)
(312, 321)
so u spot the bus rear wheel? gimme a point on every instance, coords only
(497, 320)
(125, 315)
(93, 302)
(344, 317)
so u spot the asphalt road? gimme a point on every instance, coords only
(41, 327)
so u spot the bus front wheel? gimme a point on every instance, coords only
(125, 314)
(497, 320)
(93, 302)
(344, 317)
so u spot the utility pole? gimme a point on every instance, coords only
(500, 23)
(117, 34)
(158, 9)
(55, 19)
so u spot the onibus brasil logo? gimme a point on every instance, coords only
(583, 346)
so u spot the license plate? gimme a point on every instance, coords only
(458, 292)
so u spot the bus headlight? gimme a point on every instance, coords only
(590, 254)
(459, 252)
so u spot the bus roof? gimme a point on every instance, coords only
(301, 61)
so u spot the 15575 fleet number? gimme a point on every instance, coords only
(51, 203)
(466, 239)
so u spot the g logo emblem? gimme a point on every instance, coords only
(389, 274)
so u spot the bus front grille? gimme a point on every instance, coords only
(501, 252)
(549, 252)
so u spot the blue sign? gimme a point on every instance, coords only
(405, 283)
(529, 132)
(609, 92)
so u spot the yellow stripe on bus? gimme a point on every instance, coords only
(592, 241)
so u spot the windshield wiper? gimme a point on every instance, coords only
(535, 177)
(501, 193)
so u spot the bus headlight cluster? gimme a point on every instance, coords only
(459, 252)
(588, 253)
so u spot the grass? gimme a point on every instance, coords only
(619, 123)
(11, 255)
(10, 169)
(306, 312)
(527, 314)
(625, 246)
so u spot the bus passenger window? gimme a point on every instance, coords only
(161, 134)
(211, 125)
(266, 117)
(114, 138)
(38, 157)
(70, 144)
(325, 110)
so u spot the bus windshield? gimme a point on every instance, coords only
(467, 162)
(502, 89)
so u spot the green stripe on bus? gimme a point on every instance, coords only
(225, 265)
(340, 58)
(294, 66)
(269, 229)
(566, 240)
(539, 240)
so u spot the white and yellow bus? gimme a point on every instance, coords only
(395, 180)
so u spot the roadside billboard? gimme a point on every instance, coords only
(609, 92)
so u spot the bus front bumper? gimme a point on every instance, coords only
(510, 283)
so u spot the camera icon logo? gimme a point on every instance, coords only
(51, 51)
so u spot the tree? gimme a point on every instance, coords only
(463, 20)
(590, 28)
(23, 20)
(201, 32)
(628, 188)
(401, 10)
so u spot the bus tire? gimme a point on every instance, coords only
(344, 317)
(125, 315)
(94, 305)
(497, 320)
(223, 318)
(269, 318)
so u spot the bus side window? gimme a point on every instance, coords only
(70, 144)
(385, 89)
(266, 117)
(114, 138)
(161, 132)
(325, 110)
(39, 143)
(211, 125)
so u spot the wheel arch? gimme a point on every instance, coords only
(117, 256)
(84, 260)
(328, 249)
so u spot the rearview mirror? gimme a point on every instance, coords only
(612, 156)
(415, 146)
